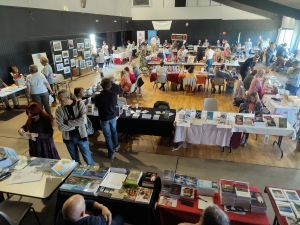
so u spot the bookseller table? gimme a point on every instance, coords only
(133, 213)
(278, 219)
(128, 125)
(182, 213)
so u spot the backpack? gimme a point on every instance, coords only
(88, 126)
(200, 88)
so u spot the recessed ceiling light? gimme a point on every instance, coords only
(115, 21)
(97, 21)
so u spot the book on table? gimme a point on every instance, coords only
(291, 220)
(227, 192)
(114, 180)
(187, 193)
(278, 194)
(291, 195)
(149, 179)
(131, 194)
(243, 196)
(26, 175)
(204, 187)
(8, 156)
(79, 170)
(118, 193)
(43, 164)
(205, 201)
(62, 166)
(167, 177)
(144, 195)
(179, 179)
(270, 121)
(165, 191)
(190, 181)
(155, 117)
(285, 208)
(258, 120)
(248, 120)
(258, 204)
(239, 119)
(175, 191)
(133, 177)
(282, 122)
(296, 208)
(23, 162)
(169, 202)
(105, 192)
(210, 115)
(89, 171)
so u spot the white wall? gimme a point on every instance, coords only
(104, 7)
(165, 10)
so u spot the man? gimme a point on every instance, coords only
(71, 121)
(153, 44)
(280, 54)
(12, 96)
(221, 73)
(248, 66)
(100, 61)
(161, 72)
(293, 79)
(157, 43)
(209, 57)
(166, 52)
(106, 103)
(166, 44)
(205, 43)
(74, 213)
(199, 43)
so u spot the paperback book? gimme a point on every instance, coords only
(278, 194)
(285, 208)
(105, 192)
(282, 122)
(144, 195)
(149, 179)
(118, 194)
(133, 177)
(8, 157)
(296, 208)
(258, 204)
(131, 194)
(169, 202)
(291, 195)
(187, 193)
(166, 190)
(167, 177)
(44, 164)
(79, 170)
(179, 179)
(175, 191)
(270, 121)
(239, 119)
(62, 166)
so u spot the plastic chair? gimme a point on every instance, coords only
(161, 79)
(161, 105)
(219, 82)
(13, 212)
(210, 104)
(132, 90)
(60, 80)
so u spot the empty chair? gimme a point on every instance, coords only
(210, 104)
(13, 212)
(219, 82)
(161, 105)
(201, 80)
(60, 80)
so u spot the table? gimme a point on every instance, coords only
(133, 213)
(278, 219)
(183, 213)
(128, 125)
(280, 108)
(119, 57)
(191, 64)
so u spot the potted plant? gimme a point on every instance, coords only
(297, 128)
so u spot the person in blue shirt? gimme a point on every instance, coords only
(166, 52)
(293, 79)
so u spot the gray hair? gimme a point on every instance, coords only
(133, 65)
(260, 73)
(112, 78)
(124, 73)
(213, 215)
(66, 94)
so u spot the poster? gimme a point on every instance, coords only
(36, 60)
(140, 36)
(150, 34)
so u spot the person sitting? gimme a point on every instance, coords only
(125, 83)
(74, 213)
(226, 53)
(293, 79)
(237, 49)
(114, 87)
(218, 44)
(220, 73)
(166, 52)
(190, 78)
(199, 43)
(212, 215)
(79, 93)
(226, 45)
(12, 96)
(248, 79)
(218, 55)
(16, 76)
(205, 43)
(131, 75)
(251, 105)
(258, 83)
(161, 72)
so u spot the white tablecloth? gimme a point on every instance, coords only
(121, 55)
(281, 108)
(13, 91)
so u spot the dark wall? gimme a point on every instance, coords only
(25, 31)
(212, 29)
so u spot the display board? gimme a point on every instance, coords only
(36, 60)
(179, 37)
(150, 34)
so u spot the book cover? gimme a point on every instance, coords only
(282, 122)
(198, 114)
(118, 194)
(90, 171)
(215, 186)
(277, 194)
(175, 189)
(227, 186)
(23, 161)
(210, 116)
(101, 172)
(165, 191)
(248, 120)
(285, 208)
(179, 178)
(290, 220)
(296, 208)
(81, 184)
(242, 191)
(190, 181)
(131, 194)
(149, 179)
(239, 119)
(169, 202)
(257, 199)
(144, 195)
(62, 166)
(155, 117)
(204, 183)
(258, 117)
(168, 175)
(134, 176)
(92, 187)
(79, 170)
(270, 121)
(187, 192)
(69, 183)
(223, 117)
(291, 195)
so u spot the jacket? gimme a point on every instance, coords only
(190, 81)
(125, 84)
(258, 108)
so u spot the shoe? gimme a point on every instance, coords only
(163, 89)
(160, 88)
(117, 148)
(243, 139)
(17, 107)
(110, 157)
(214, 90)
(8, 108)
(53, 104)
(244, 144)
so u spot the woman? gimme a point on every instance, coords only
(297, 57)
(139, 81)
(131, 75)
(257, 84)
(269, 55)
(226, 53)
(40, 132)
(248, 47)
(37, 88)
(251, 105)
(200, 54)
(16, 76)
(190, 78)
(47, 71)
(79, 93)
(293, 79)
(129, 48)
(125, 83)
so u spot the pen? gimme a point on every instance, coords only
(202, 199)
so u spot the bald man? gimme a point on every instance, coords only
(74, 213)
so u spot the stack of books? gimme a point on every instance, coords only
(206, 188)
(175, 191)
(258, 204)
(165, 191)
(105, 192)
(227, 192)
(185, 180)
(91, 171)
(166, 181)
(243, 197)
(187, 193)
(259, 121)
(133, 178)
(62, 166)
(149, 179)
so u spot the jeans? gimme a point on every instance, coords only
(109, 129)
(101, 66)
(243, 74)
(13, 97)
(42, 100)
(76, 142)
(209, 64)
(293, 90)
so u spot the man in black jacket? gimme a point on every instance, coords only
(106, 103)
(248, 66)
(280, 54)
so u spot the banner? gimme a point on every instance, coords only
(151, 33)
(140, 36)
(162, 25)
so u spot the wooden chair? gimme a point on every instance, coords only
(201, 80)
(188, 89)
(219, 82)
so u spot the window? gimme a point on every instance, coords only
(93, 42)
(286, 37)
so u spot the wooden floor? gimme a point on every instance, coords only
(254, 153)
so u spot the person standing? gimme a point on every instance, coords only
(37, 88)
(157, 43)
(100, 60)
(280, 54)
(293, 79)
(269, 55)
(71, 121)
(209, 57)
(248, 66)
(161, 72)
(153, 44)
(248, 47)
(12, 96)
(129, 47)
(106, 103)
(105, 48)
(40, 128)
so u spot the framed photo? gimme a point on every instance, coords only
(58, 58)
(76, 63)
(87, 54)
(59, 66)
(67, 69)
(80, 46)
(82, 64)
(87, 43)
(57, 45)
(66, 61)
(65, 54)
(89, 63)
(72, 61)
(75, 53)
(70, 44)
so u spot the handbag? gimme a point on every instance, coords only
(140, 82)
(51, 99)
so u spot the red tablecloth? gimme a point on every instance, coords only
(183, 213)
(172, 77)
(281, 219)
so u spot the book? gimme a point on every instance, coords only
(96, 172)
(114, 180)
(26, 175)
(146, 116)
(105, 192)
(149, 179)
(242, 191)
(270, 121)
(291, 195)
(169, 202)
(165, 191)
(296, 208)
(282, 122)
(135, 115)
(187, 193)
(257, 200)
(69, 183)
(205, 201)
(258, 120)
(204, 187)
(155, 117)
(190, 181)
(167, 177)
(248, 120)
(43, 164)
(227, 186)
(118, 194)
(278, 194)
(80, 185)
(198, 114)
(79, 170)
(62, 166)
(175, 191)
(179, 179)
(23, 162)
(210, 116)
(290, 220)
(131, 194)
(144, 195)
(223, 117)
(8, 156)
(133, 177)
(285, 208)
(92, 187)
(239, 119)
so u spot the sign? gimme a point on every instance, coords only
(162, 25)
(179, 37)
(140, 36)
(36, 60)
(150, 34)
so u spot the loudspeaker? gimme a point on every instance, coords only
(83, 3)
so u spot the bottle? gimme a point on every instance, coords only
(266, 140)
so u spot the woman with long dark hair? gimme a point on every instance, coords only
(40, 132)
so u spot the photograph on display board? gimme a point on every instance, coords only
(66, 61)
(70, 44)
(58, 58)
(65, 54)
(89, 63)
(80, 46)
(87, 54)
(76, 63)
(72, 62)
(59, 66)
(57, 45)
(82, 64)
(75, 54)
(87, 43)
(67, 69)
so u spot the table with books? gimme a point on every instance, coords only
(285, 203)
(183, 199)
(133, 196)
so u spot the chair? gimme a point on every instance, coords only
(132, 90)
(219, 82)
(201, 80)
(210, 104)
(161, 79)
(161, 105)
(60, 80)
(13, 212)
